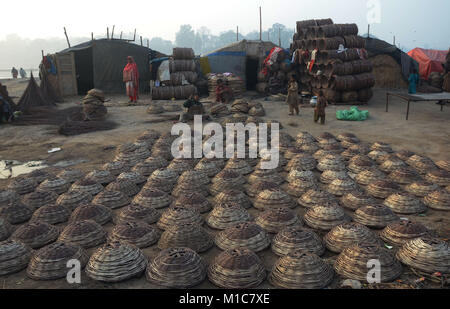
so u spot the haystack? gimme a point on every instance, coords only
(387, 72)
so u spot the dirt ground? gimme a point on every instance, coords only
(426, 132)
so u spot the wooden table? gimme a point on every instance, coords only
(443, 96)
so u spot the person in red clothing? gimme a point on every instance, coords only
(131, 79)
(223, 92)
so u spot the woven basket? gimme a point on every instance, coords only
(178, 268)
(429, 255)
(36, 234)
(111, 199)
(422, 164)
(398, 233)
(404, 203)
(179, 215)
(70, 175)
(134, 177)
(98, 213)
(300, 162)
(376, 155)
(55, 184)
(22, 185)
(86, 234)
(50, 262)
(179, 166)
(207, 167)
(16, 212)
(254, 189)
(340, 187)
(87, 186)
(348, 234)
(5, 229)
(137, 213)
(352, 263)
(226, 180)
(356, 199)
(329, 176)
(14, 256)
(299, 186)
(39, 175)
(8, 196)
(226, 215)
(438, 177)
(404, 154)
(331, 162)
(392, 165)
(360, 163)
(325, 217)
(421, 188)
(293, 238)
(194, 201)
(382, 188)
(368, 176)
(444, 164)
(381, 146)
(115, 167)
(115, 262)
(102, 177)
(346, 136)
(404, 176)
(190, 236)
(51, 214)
(273, 220)
(233, 196)
(243, 235)
(439, 200)
(273, 198)
(39, 198)
(147, 167)
(270, 175)
(301, 270)
(239, 165)
(237, 269)
(375, 216)
(303, 175)
(73, 198)
(194, 177)
(315, 197)
(138, 234)
(152, 198)
(127, 187)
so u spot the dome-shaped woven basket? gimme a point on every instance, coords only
(22, 185)
(400, 232)
(14, 256)
(39, 198)
(426, 254)
(404, 154)
(382, 188)
(404, 176)
(138, 234)
(404, 203)
(50, 262)
(350, 153)
(137, 213)
(115, 167)
(243, 235)
(326, 137)
(352, 263)
(349, 142)
(273, 198)
(16, 212)
(377, 155)
(208, 167)
(225, 215)
(439, 200)
(98, 213)
(86, 234)
(88, 186)
(368, 176)
(270, 175)
(190, 236)
(381, 146)
(293, 238)
(145, 168)
(115, 262)
(156, 162)
(179, 215)
(111, 199)
(39, 175)
(151, 135)
(55, 184)
(315, 197)
(392, 165)
(127, 187)
(134, 177)
(5, 229)
(36, 234)
(301, 270)
(254, 189)
(239, 165)
(177, 268)
(438, 177)
(444, 164)
(348, 234)
(237, 269)
(194, 201)
(303, 175)
(305, 137)
(292, 152)
(345, 136)
(73, 198)
(300, 162)
(323, 153)
(329, 176)
(179, 166)
(325, 217)
(194, 177)
(309, 148)
(240, 106)
(300, 186)
(233, 196)
(421, 188)
(8, 196)
(165, 175)
(422, 164)
(375, 216)
(356, 199)
(153, 198)
(273, 220)
(360, 163)
(155, 109)
(331, 162)
(226, 180)
(334, 148)
(102, 177)
(340, 187)
(51, 214)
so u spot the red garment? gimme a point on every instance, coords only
(131, 74)
(219, 94)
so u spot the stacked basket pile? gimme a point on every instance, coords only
(234, 82)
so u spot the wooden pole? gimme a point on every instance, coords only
(368, 31)
(67, 38)
(121, 35)
(394, 40)
(279, 37)
(141, 40)
(42, 52)
(107, 32)
(92, 36)
(237, 33)
(134, 37)
(260, 25)
(148, 43)
(112, 32)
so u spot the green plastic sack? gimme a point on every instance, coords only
(354, 114)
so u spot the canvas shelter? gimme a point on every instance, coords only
(99, 64)
(430, 60)
(243, 58)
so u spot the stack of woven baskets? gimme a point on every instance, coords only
(234, 82)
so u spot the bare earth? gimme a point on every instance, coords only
(427, 132)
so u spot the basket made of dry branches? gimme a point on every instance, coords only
(195, 201)
(88, 186)
(404, 154)
(421, 188)
(8, 196)
(331, 162)
(39, 175)
(382, 188)
(357, 166)
(233, 196)
(98, 213)
(426, 254)
(191, 236)
(340, 187)
(14, 256)
(137, 213)
(325, 217)
(86, 234)
(356, 199)
(115, 167)
(304, 175)
(237, 269)
(348, 234)
(298, 186)
(346, 136)
(376, 155)
(443, 164)
(404, 176)
(400, 232)
(36, 234)
(404, 203)
(22, 185)
(39, 198)
(273, 198)
(101, 176)
(329, 176)
(438, 177)
(243, 235)
(265, 175)
(115, 262)
(55, 184)
(152, 198)
(315, 197)
(305, 137)
(208, 167)
(439, 200)
(239, 165)
(368, 176)
(125, 186)
(301, 270)
(139, 234)
(254, 189)
(165, 175)
(352, 262)
(51, 214)
(50, 262)
(134, 177)
(16, 212)
(391, 165)
(422, 164)
(305, 162)
(179, 166)
(179, 215)
(5, 229)
(293, 238)
(226, 180)
(177, 268)
(273, 220)
(111, 199)
(375, 216)
(73, 198)
(226, 215)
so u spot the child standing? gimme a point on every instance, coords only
(292, 96)
(319, 110)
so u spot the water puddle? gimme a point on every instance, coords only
(12, 168)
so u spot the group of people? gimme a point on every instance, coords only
(15, 73)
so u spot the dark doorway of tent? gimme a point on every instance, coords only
(251, 72)
(84, 69)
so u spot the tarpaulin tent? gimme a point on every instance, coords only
(99, 64)
(429, 60)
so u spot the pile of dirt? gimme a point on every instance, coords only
(387, 72)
